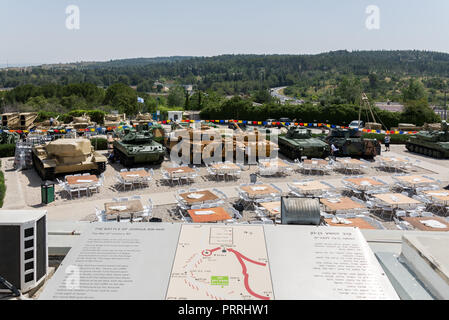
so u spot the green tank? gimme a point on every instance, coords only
(431, 143)
(7, 137)
(137, 146)
(351, 144)
(299, 142)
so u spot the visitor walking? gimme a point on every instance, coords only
(387, 142)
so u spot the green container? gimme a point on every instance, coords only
(48, 192)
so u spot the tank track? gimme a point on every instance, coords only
(424, 151)
(45, 174)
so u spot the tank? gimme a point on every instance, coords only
(351, 144)
(7, 137)
(114, 120)
(206, 139)
(431, 143)
(299, 142)
(143, 119)
(67, 156)
(137, 146)
(81, 122)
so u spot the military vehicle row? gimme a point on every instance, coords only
(299, 142)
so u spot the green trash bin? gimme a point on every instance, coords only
(48, 192)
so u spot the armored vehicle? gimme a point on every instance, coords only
(299, 143)
(137, 146)
(143, 119)
(114, 120)
(351, 144)
(81, 122)
(7, 137)
(67, 156)
(431, 143)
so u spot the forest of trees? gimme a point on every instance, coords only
(330, 83)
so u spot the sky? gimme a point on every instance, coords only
(35, 31)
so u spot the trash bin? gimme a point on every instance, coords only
(48, 192)
(253, 178)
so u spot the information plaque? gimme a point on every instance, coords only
(219, 262)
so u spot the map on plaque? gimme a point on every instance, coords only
(221, 263)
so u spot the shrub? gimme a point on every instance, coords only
(99, 143)
(7, 150)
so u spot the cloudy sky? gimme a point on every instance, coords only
(35, 31)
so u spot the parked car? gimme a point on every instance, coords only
(357, 124)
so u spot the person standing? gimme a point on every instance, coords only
(387, 142)
(334, 150)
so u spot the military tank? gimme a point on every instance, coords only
(67, 156)
(137, 146)
(7, 137)
(431, 143)
(143, 119)
(351, 144)
(299, 142)
(114, 120)
(82, 122)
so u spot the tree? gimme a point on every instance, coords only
(414, 91)
(418, 112)
(122, 97)
(349, 90)
(176, 97)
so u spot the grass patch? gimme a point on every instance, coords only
(7, 150)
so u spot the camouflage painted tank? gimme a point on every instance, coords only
(351, 144)
(299, 142)
(67, 156)
(138, 147)
(431, 143)
(81, 122)
(114, 120)
(7, 137)
(143, 119)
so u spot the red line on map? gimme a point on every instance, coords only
(240, 257)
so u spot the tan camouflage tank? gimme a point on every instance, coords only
(67, 156)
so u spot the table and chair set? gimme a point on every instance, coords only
(225, 171)
(134, 178)
(125, 210)
(81, 185)
(204, 206)
(179, 174)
